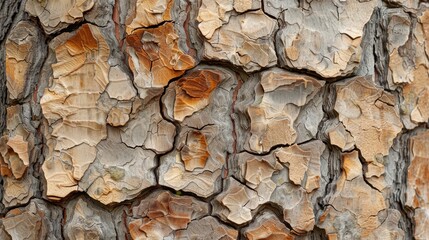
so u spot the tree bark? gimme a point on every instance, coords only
(214, 119)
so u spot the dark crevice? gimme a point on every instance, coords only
(150, 27)
(275, 147)
(365, 169)
(380, 51)
(317, 234)
(166, 118)
(334, 172)
(230, 164)
(400, 153)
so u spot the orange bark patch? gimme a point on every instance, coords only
(194, 154)
(193, 92)
(81, 42)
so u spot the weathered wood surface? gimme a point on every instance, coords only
(214, 119)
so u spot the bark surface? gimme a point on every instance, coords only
(214, 119)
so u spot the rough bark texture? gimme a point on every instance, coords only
(214, 119)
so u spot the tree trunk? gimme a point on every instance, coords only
(214, 119)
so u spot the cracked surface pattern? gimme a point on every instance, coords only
(200, 103)
(55, 16)
(214, 119)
